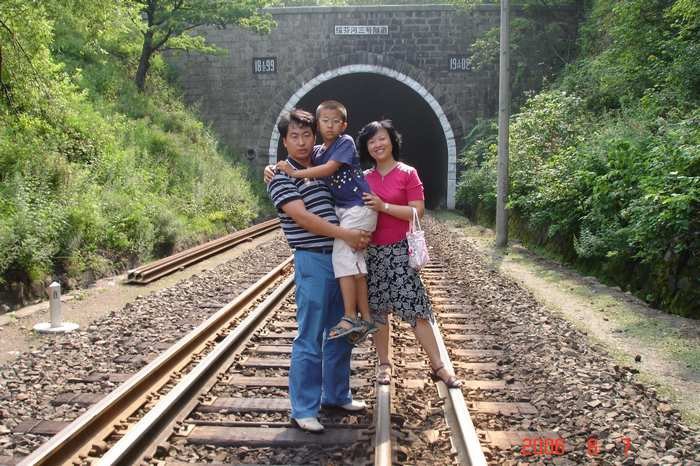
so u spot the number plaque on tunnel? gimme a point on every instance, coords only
(341, 30)
(264, 65)
(459, 63)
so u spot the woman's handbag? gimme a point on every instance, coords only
(417, 248)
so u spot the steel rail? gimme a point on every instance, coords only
(157, 269)
(462, 431)
(382, 435)
(383, 450)
(223, 239)
(98, 422)
(129, 449)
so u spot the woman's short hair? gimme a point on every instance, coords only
(368, 132)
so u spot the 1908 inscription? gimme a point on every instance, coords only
(459, 63)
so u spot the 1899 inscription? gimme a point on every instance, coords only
(264, 65)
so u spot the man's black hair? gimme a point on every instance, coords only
(368, 132)
(297, 116)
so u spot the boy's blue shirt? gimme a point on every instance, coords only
(348, 183)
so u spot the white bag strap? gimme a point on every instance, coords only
(415, 221)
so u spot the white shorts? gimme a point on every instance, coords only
(345, 260)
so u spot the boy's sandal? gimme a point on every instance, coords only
(371, 327)
(451, 382)
(384, 374)
(339, 331)
(367, 328)
(354, 338)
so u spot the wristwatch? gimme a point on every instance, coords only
(386, 207)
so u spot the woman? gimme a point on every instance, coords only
(393, 286)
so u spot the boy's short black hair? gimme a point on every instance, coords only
(369, 130)
(298, 116)
(332, 105)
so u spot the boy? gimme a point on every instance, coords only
(336, 161)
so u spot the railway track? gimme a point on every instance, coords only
(224, 386)
(497, 402)
(238, 411)
(105, 420)
(160, 268)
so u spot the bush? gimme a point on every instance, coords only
(476, 191)
(546, 169)
(95, 176)
(605, 165)
(620, 197)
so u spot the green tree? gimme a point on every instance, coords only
(95, 175)
(167, 25)
(542, 41)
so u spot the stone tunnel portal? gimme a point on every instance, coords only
(368, 97)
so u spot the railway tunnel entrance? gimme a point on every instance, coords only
(371, 96)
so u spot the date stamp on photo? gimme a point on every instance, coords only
(541, 446)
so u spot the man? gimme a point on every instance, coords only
(320, 368)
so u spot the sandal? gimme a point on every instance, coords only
(368, 328)
(383, 375)
(339, 331)
(451, 382)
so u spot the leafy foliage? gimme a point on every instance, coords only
(95, 175)
(170, 24)
(292, 3)
(542, 41)
(639, 49)
(476, 192)
(605, 166)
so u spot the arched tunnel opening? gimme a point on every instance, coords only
(369, 97)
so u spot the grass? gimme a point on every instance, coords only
(667, 339)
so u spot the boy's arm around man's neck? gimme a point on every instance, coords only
(320, 171)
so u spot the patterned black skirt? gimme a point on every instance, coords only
(395, 287)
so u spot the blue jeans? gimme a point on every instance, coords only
(320, 369)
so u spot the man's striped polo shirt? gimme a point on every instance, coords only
(317, 199)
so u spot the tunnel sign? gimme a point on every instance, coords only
(341, 30)
(263, 65)
(459, 63)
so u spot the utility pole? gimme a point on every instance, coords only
(503, 117)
